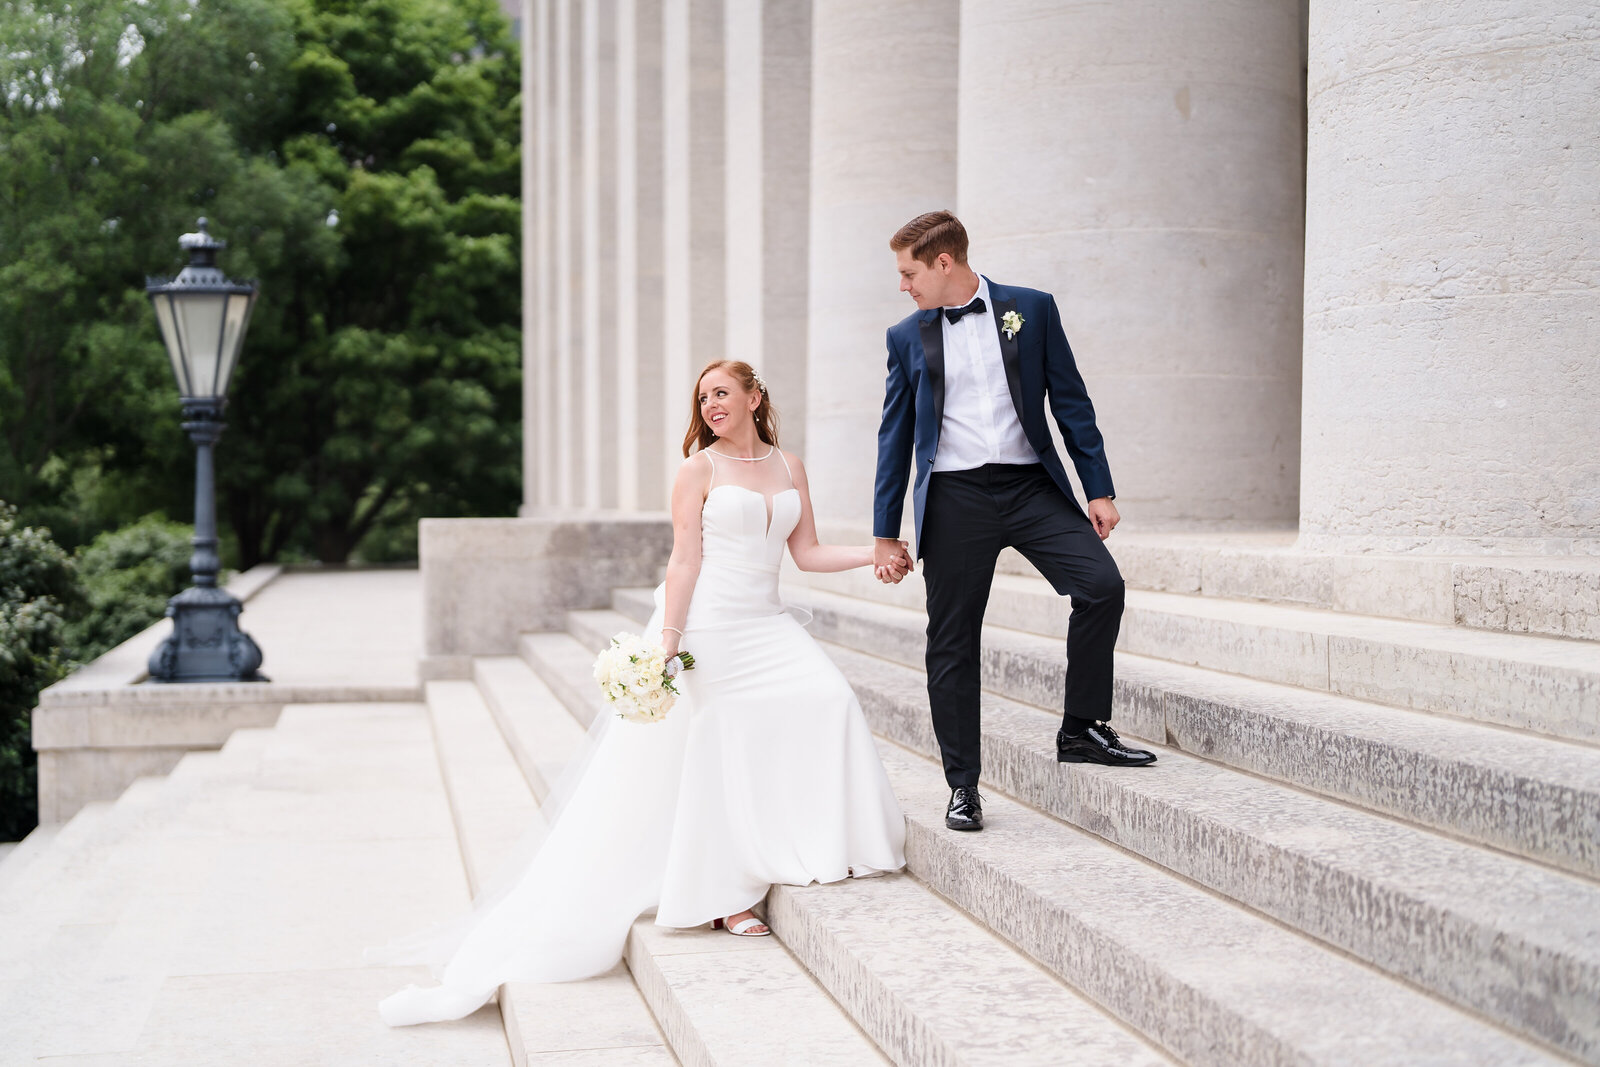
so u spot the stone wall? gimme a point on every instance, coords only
(1383, 329)
(1452, 328)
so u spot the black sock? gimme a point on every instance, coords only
(1072, 726)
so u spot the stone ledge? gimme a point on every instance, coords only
(1557, 595)
(487, 581)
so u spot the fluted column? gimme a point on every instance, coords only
(693, 247)
(883, 150)
(597, 460)
(539, 279)
(638, 280)
(1452, 390)
(1142, 161)
(767, 46)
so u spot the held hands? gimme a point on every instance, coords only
(1103, 513)
(891, 560)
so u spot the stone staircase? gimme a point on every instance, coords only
(218, 915)
(1307, 876)
(1367, 841)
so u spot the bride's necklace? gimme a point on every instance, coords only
(744, 459)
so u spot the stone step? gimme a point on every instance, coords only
(15, 855)
(566, 666)
(1545, 684)
(718, 999)
(1529, 795)
(1447, 915)
(895, 987)
(1213, 982)
(494, 805)
(246, 897)
(1553, 595)
(1009, 1011)
(1210, 989)
(542, 743)
(890, 950)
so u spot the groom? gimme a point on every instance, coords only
(969, 377)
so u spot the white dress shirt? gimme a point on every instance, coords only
(980, 421)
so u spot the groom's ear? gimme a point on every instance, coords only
(945, 262)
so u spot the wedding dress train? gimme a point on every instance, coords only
(764, 772)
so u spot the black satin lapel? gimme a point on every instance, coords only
(1010, 357)
(933, 356)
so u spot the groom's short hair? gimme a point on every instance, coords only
(930, 234)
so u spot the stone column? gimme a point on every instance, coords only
(536, 280)
(1452, 320)
(767, 133)
(693, 211)
(566, 163)
(883, 150)
(541, 279)
(640, 351)
(1142, 161)
(597, 460)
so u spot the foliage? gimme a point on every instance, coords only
(38, 587)
(361, 157)
(128, 575)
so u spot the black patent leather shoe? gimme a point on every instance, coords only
(1100, 744)
(966, 809)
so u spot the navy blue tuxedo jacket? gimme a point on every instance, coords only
(1039, 367)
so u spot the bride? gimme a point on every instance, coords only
(763, 772)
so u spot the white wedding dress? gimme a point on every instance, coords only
(763, 772)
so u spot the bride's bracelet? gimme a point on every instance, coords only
(674, 629)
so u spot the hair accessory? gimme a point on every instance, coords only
(761, 383)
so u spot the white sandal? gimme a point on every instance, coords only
(744, 927)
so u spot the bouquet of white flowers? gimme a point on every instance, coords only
(636, 676)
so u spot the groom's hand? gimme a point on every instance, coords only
(1103, 513)
(891, 559)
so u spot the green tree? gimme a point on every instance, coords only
(360, 156)
(128, 575)
(38, 589)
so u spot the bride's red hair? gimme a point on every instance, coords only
(701, 435)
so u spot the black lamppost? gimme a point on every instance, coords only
(203, 317)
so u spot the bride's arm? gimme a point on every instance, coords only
(683, 566)
(803, 547)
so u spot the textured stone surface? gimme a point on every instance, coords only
(485, 581)
(1549, 686)
(1150, 179)
(887, 948)
(1530, 599)
(1458, 920)
(881, 154)
(1214, 982)
(1530, 795)
(1452, 279)
(722, 1000)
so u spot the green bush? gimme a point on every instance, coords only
(39, 589)
(128, 575)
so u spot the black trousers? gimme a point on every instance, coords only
(969, 517)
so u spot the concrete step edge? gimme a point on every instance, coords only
(1549, 685)
(1532, 796)
(1443, 914)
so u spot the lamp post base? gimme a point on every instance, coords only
(206, 644)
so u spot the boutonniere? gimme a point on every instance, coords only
(1011, 323)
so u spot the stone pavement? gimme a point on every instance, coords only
(218, 915)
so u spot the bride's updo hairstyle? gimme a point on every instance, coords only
(701, 435)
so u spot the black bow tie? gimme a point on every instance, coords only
(977, 307)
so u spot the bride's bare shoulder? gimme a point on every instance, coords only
(796, 466)
(693, 472)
